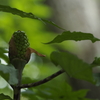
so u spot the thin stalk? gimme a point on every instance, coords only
(19, 65)
(17, 93)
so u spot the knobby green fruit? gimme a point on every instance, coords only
(21, 43)
(19, 49)
(19, 46)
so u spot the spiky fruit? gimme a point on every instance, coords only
(18, 46)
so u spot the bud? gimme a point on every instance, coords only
(19, 48)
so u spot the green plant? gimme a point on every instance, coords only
(69, 63)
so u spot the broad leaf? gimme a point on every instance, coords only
(30, 95)
(77, 36)
(4, 97)
(25, 14)
(62, 91)
(74, 66)
(9, 73)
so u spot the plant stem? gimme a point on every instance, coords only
(19, 65)
(16, 95)
(17, 91)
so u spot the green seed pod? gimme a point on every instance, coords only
(19, 50)
(21, 43)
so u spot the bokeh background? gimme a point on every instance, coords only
(72, 15)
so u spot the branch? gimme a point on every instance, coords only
(42, 81)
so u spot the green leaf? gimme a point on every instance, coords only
(48, 21)
(88, 99)
(96, 62)
(9, 73)
(26, 80)
(2, 55)
(25, 14)
(3, 97)
(74, 66)
(62, 91)
(77, 36)
(80, 93)
(97, 78)
(31, 95)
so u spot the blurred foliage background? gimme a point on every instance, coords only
(38, 33)
(39, 67)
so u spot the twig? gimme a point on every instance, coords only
(42, 81)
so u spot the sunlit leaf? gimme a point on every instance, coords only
(9, 73)
(25, 14)
(74, 66)
(76, 36)
(4, 97)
